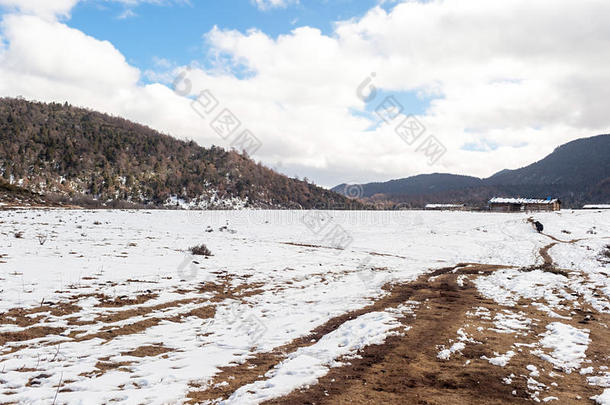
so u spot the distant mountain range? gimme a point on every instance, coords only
(80, 157)
(577, 172)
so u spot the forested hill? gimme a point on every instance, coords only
(84, 155)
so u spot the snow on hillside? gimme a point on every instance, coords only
(100, 306)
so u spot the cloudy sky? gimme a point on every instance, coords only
(336, 91)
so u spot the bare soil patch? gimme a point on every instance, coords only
(35, 332)
(112, 333)
(406, 369)
(106, 302)
(231, 378)
(141, 311)
(27, 317)
(103, 366)
(148, 351)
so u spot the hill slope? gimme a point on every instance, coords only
(72, 152)
(580, 163)
(577, 172)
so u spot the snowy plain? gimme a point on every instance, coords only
(298, 269)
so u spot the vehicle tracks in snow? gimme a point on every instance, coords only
(406, 369)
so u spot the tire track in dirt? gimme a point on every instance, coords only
(571, 241)
(547, 262)
(544, 253)
(233, 377)
(406, 369)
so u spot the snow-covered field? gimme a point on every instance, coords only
(109, 306)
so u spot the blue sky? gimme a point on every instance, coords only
(174, 31)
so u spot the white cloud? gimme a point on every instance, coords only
(127, 13)
(51, 50)
(51, 9)
(516, 77)
(48, 9)
(269, 4)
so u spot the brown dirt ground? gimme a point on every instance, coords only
(103, 366)
(34, 332)
(406, 370)
(148, 351)
(27, 317)
(250, 371)
(23, 317)
(106, 302)
(141, 311)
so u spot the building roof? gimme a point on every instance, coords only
(596, 206)
(497, 200)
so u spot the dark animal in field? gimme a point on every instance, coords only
(539, 227)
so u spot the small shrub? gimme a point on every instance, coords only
(19, 235)
(201, 250)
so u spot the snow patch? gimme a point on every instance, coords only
(445, 354)
(500, 360)
(603, 398)
(569, 345)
